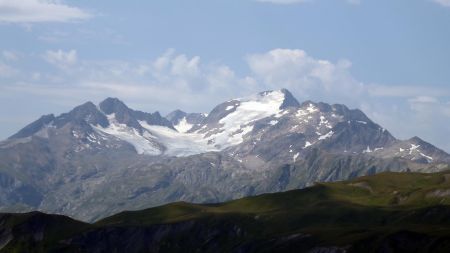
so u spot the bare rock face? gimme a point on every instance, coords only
(97, 160)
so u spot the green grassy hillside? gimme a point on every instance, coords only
(388, 212)
(385, 191)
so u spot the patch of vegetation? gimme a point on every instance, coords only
(407, 212)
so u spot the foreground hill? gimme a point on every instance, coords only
(388, 212)
(97, 160)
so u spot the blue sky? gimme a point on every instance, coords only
(389, 58)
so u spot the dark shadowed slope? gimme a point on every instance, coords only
(389, 212)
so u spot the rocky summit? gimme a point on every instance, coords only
(97, 160)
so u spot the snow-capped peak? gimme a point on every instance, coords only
(240, 114)
(253, 121)
(281, 98)
(271, 100)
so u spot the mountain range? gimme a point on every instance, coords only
(98, 160)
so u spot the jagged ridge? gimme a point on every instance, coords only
(267, 142)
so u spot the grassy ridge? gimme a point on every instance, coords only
(339, 213)
(384, 191)
(368, 214)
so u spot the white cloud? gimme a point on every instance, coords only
(300, 1)
(36, 76)
(176, 65)
(305, 75)
(186, 81)
(445, 3)
(34, 11)
(7, 71)
(405, 110)
(318, 79)
(98, 34)
(176, 80)
(61, 58)
(428, 107)
(405, 91)
(182, 66)
(10, 55)
(430, 117)
(424, 100)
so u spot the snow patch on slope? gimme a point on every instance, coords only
(367, 150)
(176, 143)
(273, 122)
(296, 156)
(183, 126)
(429, 158)
(311, 109)
(326, 136)
(157, 140)
(238, 123)
(229, 107)
(414, 152)
(307, 144)
(143, 143)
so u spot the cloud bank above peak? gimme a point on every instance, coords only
(178, 81)
(311, 77)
